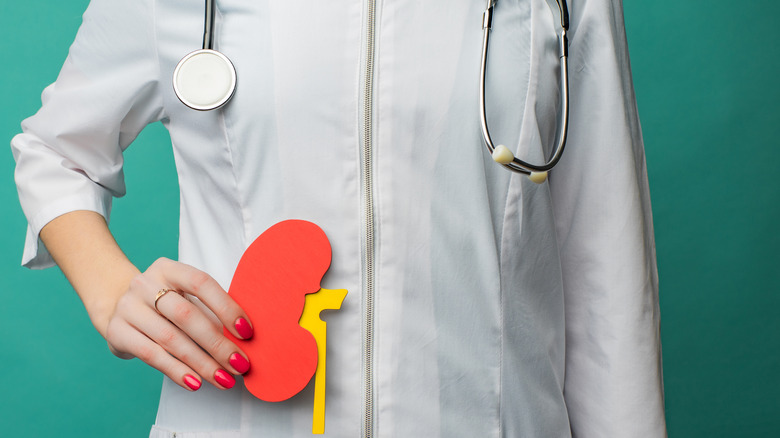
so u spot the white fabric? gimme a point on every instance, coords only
(503, 308)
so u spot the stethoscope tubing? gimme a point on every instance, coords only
(208, 26)
(518, 165)
(515, 164)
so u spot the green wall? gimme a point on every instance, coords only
(703, 73)
(57, 376)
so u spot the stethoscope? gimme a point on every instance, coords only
(206, 79)
(501, 154)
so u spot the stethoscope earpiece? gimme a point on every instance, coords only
(204, 80)
(502, 155)
(538, 177)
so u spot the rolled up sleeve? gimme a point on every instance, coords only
(69, 154)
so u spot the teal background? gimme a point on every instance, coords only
(705, 81)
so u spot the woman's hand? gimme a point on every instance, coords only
(182, 340)
(178, 338)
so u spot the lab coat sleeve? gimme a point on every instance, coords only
(613, 385)
(69, 155)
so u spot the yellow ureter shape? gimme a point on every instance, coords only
(310, 320)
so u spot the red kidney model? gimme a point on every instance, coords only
(277, 283)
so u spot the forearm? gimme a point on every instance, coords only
(83, 247)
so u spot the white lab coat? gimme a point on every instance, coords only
(501, 307)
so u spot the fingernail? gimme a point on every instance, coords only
(243, 328)
(224, 378)
(239, 362)
(192, 382)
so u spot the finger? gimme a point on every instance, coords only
(190, 280)
(186, 320)
(183, 347)
(135, 343)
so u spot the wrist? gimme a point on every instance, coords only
(101, 302)
(86, 252)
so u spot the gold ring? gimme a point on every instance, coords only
(159, 295)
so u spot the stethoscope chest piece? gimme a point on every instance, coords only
(204, 80)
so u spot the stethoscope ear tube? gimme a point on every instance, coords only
(563, 10)
(502, 154)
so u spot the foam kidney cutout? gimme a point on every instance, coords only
(271, 282)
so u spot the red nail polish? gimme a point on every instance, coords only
(224, 378)
(239, 362)
(243, 328)
(192, 382)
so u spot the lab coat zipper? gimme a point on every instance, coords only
(368, 194)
